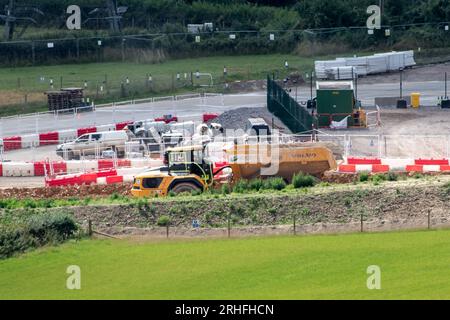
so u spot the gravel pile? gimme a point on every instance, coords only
(237, 119)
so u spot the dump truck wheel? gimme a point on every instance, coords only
(184, 187)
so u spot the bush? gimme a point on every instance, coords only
(163, 221)
(378, 178)
(446, 188)
(275, 184)
(392, 176)
(114, 196)
(256, 184)
(418, 176)
(364, 177)
(51, 227)
(303, 181)
(37, 231)
(13, 240)
(226, 189)
(241, 186)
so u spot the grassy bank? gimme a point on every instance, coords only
(413, 266)
(406, 201)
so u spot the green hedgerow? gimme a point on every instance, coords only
(37, 230)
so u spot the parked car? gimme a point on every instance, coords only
(91, 144)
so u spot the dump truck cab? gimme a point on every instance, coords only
(186, 170)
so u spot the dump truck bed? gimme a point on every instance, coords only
(265, 160)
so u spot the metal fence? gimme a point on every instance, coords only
(27, 92)
(99, 114)
(282, 105)
(343, 146)
(231, 226)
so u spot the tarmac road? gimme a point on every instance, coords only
(430, 91)
(184, 109)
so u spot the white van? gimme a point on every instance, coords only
(91, 144)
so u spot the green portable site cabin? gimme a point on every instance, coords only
(335, 101)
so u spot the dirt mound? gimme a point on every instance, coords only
(65, 192)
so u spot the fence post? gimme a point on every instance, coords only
(362, 223)
(33, 53)
(379, 147)
(167, 231)
(347, 146)
(229, 225)
(37, 125)
(78, 48)
(447, 146)
(295, 229)
(90, 228)
(123, 49)
(429, 219)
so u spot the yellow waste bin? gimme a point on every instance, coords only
(415, 99)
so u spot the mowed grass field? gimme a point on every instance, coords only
(21, 84)
(240, 67)
(414, 265)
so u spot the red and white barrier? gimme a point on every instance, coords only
(12, 143)
(46, 139)
(111, 176)
(40, 169)
(104, 177)
(62, 136)
(371, 165)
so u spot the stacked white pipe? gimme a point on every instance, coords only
(346, 68)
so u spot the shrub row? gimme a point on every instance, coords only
(36, 231)
(276, 183)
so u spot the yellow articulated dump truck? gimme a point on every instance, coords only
(189, 169)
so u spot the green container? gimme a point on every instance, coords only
(334, 105)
